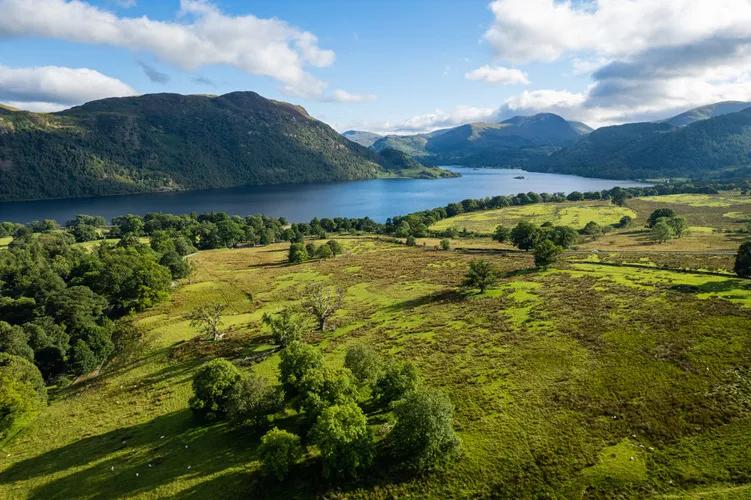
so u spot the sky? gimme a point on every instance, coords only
(386, 66)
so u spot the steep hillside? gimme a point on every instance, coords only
(172, 142)
(361, 137)
(705, 112)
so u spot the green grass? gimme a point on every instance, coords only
(596, 380)
(727, 199)
(574, 214)
(4, 242)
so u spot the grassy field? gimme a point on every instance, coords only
(609, 375)
(4, 242)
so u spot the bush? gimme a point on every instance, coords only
(295, 361)
(251, 402)
(286, 327)
(524, 235)
(82, 358)
(324, 252)
(341, 433)
(213, 388)
(22, 393)
(481, 274)
(396, 380)
(661, 232)
(546, 253)
(501, 234)
(743, 260)
(423, 435)
(297, 253)
(659, 214)
(323, 387)
(363, 362)
(335, 246)
(411, 241)
(278, 451)
(678, 225)
(592, 229)
(445, 244)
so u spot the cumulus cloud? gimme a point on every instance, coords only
(154, 74)
(340, 95)
(203, 36)
(646, 59)
(498, 75)
(51, 88)
(428, 122)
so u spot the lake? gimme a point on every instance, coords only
(377, 199)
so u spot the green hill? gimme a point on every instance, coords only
(361, 137)
(705, 112)
(166, 142)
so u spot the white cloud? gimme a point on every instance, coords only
(340, 95)
(204, 36)
(498, 75)
(428, 122)
(51, 88)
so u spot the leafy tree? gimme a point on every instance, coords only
(14, 341)
(322, 302)
(445, 244)
(659, 214)
(324, 252)
(624, 222)
(22, 393)
(501, 234)
(661, 232)
(395, 381)
(575, 196)
(128, 224)
(678, 225)
(403, 230)
(297, 253)
(336, 247)
(423, 435)
(84, 232)
(208, 319)
(618, 196)
(563, 236)
(524, 235)
(341, 433)
(295, 361)
(743, 260)
(286, 326)
(229, 232)
(252, 400)
(592, 228)
(213, 387)
(178, 266)
(411, 241)
(364, 363)
(481, 274)
(546, 253)
(82, 358)
(279, 451)
(323, 387)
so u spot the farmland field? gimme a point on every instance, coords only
(608, 375)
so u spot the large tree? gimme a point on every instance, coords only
(341, 433)
(743, 260)
(481, 274)
(322, 302)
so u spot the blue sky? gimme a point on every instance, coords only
(385, 65)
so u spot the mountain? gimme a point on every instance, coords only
(718, 147)
(512, 142)
(164, 142)
(361, 137)
(705, 112)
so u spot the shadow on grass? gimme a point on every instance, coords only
(445, 296)
(728, 285)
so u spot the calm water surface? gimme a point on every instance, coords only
(377, 199)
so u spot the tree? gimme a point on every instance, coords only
(22, 393)
(659, 214)
(445, 244)
(295, 361)
(575, 196)
(624, 222)
(84, 232)
(618, 196)
(481, 274)
(251, 402)
(279, 451)
(324, 252)
(395, 381)
(524, 235)
(323, 387)
(501, 234)
(678, 225)
(13, 340)
(546, 253)
(178, 266)
(82, 358)
(341, 433)
(411, 241)
(297, 253)
(208, 319)
(423, 435)
(322, 302)
(592, 229)
(563, 236)
(336, 247)
(743, 260)
(213, 387)
(286, 326)
(363, 362)
(661, 232)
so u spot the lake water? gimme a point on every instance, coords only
(377, 199)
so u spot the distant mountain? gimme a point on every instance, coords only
(163, 142)
(705, 112)
(512, 142)
(361, 137)
(710, 148)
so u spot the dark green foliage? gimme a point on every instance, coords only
(624, 222)
(22, 393)
(178, 267)
(481, 274)
(324, 387)
(252, 401)
(423, 436)
(546, 253)
(82, 358)
(127, 224)
(661, 231)
(84, 232)
(502, 234)
(14, 341)
(341, 433)
(743, 260)
(445, 244)
(213, 387)
(279, 451)
(563, 236)
(324, 252)
(658, 214)
(335, 246)
(411, 241)
(295, 361)
(619, 197)
(297, 253)
(364, 363)
(524, 235)
(395, 381)
(286, 326)
(575, 196)
(592, 228)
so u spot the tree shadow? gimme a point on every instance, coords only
(445, 296)
(728, 285)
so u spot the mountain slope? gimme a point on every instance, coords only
(172, 142)
(362, 137)
(705, 112)
(512, 142)
(711, 148)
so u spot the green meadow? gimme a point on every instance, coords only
(605, 376)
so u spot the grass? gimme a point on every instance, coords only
(604, 377)
(574, 214)
(4, 242)
(726, 199)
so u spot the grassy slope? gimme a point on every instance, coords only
(616, 380)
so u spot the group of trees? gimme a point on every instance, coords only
(300, 252)
(328, 403)
(547, 241)
(665, 225)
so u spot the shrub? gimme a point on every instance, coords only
(624, 222)
(335, 246)
(501, 234)
(411, 241)
(341, 433)
(324, 252)
(395, 381)
(213, 387)
(363, 362)
(743, 260)
(323, 387)
(481, 274)
(546, 253)
(251, 402)
(82, 358)
(295, 361)
(659, 214)
(661, 232)
(278, 451)
(592, 229)
(22, 393)
(524, 235)
(286, 327)
(297, 253)
(423, 436)
(445, 244)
